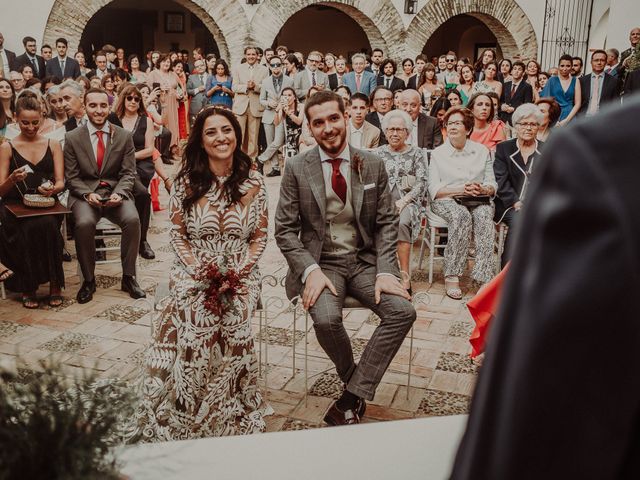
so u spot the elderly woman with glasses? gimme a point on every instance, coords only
(513, 166)
(461, 184)
(407, 170)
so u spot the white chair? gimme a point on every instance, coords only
(108, 230)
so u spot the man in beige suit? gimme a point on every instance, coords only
(247, 79)
(361, 134)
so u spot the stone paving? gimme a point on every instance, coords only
(108, 336)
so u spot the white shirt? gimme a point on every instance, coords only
(355, 135)
(450, 167)
(413, 135)
(5, 64)
(94, 138)
(60, 60)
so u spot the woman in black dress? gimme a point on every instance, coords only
(134, 118)
(31, 247)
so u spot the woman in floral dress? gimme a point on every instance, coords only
(201, 369)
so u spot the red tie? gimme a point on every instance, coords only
(100, 149)
(338, 183)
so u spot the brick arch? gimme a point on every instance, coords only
(68, 20)
(511, 26)
(379, 20)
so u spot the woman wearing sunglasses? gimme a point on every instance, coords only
(133, 115)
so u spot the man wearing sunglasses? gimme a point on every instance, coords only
(449, 76)
(310, 76)
(269, 97)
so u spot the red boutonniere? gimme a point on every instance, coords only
(356, 164)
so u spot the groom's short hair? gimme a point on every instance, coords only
(321, 97)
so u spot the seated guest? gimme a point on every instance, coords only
(344, 92)
(425, 132)
(551, 113)
(31, 246)
(513, 165)
(382, 102)
(454, 97)
(101, 185)
(439, 109)
(407, 171)
(461, 167)
(133, 117)
(361, 134)
(486, 131)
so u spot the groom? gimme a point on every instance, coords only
(337, 228)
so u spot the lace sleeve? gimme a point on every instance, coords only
(260, 221)
(179, 237)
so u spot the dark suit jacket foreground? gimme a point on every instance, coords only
(608, 94)
(81, 169)
(300, 216)
(429, 134)
(558, 395)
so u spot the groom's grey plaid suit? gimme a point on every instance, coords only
(300, 233)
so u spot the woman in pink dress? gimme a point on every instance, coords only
(168, 82)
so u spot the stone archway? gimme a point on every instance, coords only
(229, 29)
(379, 20)
(511, 26)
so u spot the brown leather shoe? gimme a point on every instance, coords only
(335, 416)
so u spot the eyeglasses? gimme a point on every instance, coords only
(450, 60)
(314, 60)
(383, 99)
(529, 126)
(275, 65)
(131, 98)
(455, 124)
(396, 130)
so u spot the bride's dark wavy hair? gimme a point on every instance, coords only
(195, 162)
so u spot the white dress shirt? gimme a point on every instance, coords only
(412, 139)
(6, 68)
(450, 167)
(94, 138)
(355, 135)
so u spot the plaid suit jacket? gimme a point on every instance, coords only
(301, 215)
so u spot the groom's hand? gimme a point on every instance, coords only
(391, 285)
(313, 287)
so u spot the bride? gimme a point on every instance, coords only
(200, 376)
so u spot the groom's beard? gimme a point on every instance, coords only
(333, 143)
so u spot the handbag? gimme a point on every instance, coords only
(407, 182)
(470, 201)
(33, 200)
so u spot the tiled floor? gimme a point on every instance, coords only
(108, 335)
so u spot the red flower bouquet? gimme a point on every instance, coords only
(220, 285)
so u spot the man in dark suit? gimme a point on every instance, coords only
(598, 87)
(7, 59)
(335, 79)
(101, 66)
(388, 76)
(336, 225)
(100, 171)
(515, 93)
(382, 101)
(558, 393)
(29, 57)
(425, 133)
(63, 66)
(632, 84)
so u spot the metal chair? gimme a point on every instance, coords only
(108, 230)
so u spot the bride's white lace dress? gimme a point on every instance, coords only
(200, 377)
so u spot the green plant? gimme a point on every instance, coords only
(55, 428)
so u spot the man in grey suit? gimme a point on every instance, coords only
(100, 170)
(195, 89)
(310, 76)
(337, 226)
(269, 97)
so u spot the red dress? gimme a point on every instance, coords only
(483, 308)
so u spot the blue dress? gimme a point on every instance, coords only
(553, 88)
(219, 98)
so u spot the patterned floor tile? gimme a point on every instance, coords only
(146, 263)
(372, 319)
(436, 403)
(123, 313)
(70, 342)
(327, 385)
(280, 336)
(460, 329)
(457, 363)
(358, 345)
(66, 302)
(155, 230)
(9, 328)
(292, 424)
(107, 281)
(165, 248)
